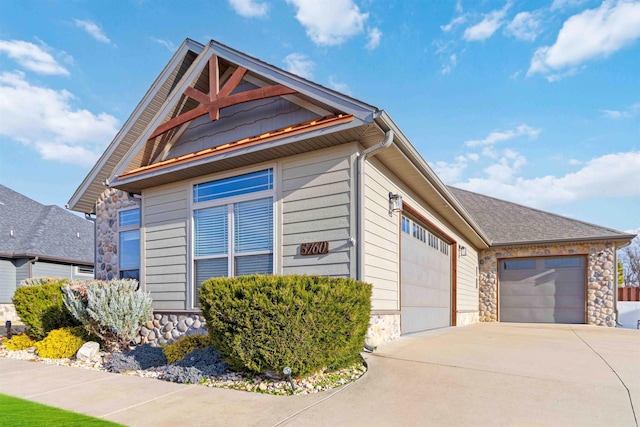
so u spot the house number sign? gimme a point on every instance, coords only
(314, 248)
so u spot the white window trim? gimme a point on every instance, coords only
(229, 202)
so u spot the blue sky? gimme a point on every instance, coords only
(537, 102)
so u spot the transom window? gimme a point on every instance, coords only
(417, 231)
(233, 227)
(129, 243)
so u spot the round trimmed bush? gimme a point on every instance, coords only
(265, 323)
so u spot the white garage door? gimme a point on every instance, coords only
(543, 290)
(425, 279)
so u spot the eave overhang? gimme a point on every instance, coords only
(618, 239)
(211, 161)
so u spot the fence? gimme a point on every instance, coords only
(629, 293)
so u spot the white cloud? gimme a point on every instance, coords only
(622, 114)
(32, 57)
(459, 6)
(562, 4)
(525, 26)
(449, 65)
(45, 119)
(459, 20)
(574, 162)
(452, 171)
(166, 43)
(300, 65)
(591, 34)
(500, 136)
(374, 38)
(613, 175)
(489, 25)
(329, 24)
(249, 8)
(339, 86)
(93, 30)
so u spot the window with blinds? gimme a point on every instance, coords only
(234, 238)
(129, 243)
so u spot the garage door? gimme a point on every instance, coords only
(543, 290)
(425, 279)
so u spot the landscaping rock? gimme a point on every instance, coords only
(88, 351)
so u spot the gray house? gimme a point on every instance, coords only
(39, 241)
(231, 166)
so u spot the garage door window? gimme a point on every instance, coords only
(571, 262)
(520, 264)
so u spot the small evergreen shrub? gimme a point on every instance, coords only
(184, 345)
(195, 366)
(61, 343)
(36, 281)
(19, 342)
(41, 307)
(114, 310)
(142, 357)
(264, 323)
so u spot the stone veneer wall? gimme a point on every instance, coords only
(107, 231)
(383, 328)
(600, 277)
(8, 312)
(165, 328)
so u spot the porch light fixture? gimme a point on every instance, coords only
(462, 250)
(395, 203)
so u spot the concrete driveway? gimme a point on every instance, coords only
(484, 374)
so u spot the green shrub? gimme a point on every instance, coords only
(61, 343)
(264, 323)
(114, 310)
(41, 308)
(177, 350)
(19, 342)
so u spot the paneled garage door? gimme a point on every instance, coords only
(425, 279)
(543, 290)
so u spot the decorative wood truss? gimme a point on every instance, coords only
(220, 97)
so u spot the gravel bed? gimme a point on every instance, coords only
(320, 381)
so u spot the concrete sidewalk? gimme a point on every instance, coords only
(484, 374)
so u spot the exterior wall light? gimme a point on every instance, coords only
(462, 250)
(395, 203)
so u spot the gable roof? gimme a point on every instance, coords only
(48, 232)
(130, 149)
(506, 223)
(136, 159)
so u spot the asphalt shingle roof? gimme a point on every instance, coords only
(510, 223)
(45, 231)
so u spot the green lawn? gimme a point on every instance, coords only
(19, 412)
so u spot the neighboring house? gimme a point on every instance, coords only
(232, 166)
(40, 241)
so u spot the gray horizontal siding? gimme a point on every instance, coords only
(316, 194)
(47, 269)
(7, 280)
(165, 214)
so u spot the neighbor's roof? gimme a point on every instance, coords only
(506, 223)
(49, 232)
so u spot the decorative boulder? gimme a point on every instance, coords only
(88, 351)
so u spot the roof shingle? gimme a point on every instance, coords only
(45, 231)
(507, 223)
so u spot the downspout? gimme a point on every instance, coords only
(386, 142)
(87, 216)
(31, 262)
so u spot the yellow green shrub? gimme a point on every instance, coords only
(19, 342)
(185, 345)
(61, 343)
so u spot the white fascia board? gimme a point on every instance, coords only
(186, 46)
(407, 148)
